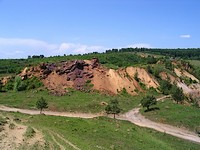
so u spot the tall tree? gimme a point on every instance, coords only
(113, 107)
(41, 104)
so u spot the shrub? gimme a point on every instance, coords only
(12, 126)
(148, 101)
(30, 132)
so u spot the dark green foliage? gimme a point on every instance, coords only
(151, 60)
(149, 69)
(168, 64)
(157, 70)
(17, 83)
(148, 101)
(165, 87)
(113, 107)
(10, 84)
(33, 83)
(21, 85)
(41, 104)
(177, 94)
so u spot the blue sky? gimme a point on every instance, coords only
(57, 27)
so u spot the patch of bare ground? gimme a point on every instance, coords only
(12, 137)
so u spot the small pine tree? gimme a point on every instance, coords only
(177, 94)
(41, 104)
(148, 101)
(113, 107)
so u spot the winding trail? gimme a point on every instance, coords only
(133, 116)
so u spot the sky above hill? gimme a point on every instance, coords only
(57, 27)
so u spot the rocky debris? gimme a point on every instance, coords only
(5, 80)
(76, 71)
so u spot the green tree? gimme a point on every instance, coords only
(113, 107)
(177, 94)
(148, 101)
(17, 83)
(41, 104)
(165, 87)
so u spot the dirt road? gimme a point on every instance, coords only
(133, 116)
(50, 113)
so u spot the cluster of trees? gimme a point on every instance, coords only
(17, 84)
(118, 57)
(176, 93)
(36, 56)
(189, 53)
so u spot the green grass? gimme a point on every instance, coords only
(104, 133)
(175, 114)
(75, 101)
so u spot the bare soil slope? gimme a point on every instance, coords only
(89, 75)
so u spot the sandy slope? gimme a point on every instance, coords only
(133, 116)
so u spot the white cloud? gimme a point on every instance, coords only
(21, 48)
(185, 36)
(140, 45)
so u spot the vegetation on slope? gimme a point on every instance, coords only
(100, 133)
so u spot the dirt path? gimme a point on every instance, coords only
(133, 116)
(50, 113)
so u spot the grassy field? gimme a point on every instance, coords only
(75, 101)
(100, 133)
(175, 114)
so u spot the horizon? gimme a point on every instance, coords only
(75, 27)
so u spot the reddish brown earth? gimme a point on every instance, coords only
(89, 75)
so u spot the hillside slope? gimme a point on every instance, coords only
(87, 75)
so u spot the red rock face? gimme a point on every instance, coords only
(57, 76)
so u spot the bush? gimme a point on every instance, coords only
(148, 101)
(17, 82)
(12, 126)
(177, 94)
(165, 87)
(9, 85)
(30, 132)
